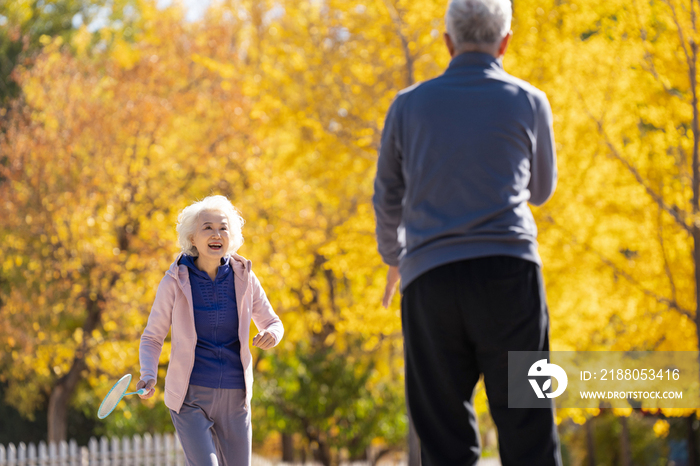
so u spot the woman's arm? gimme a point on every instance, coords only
(157, 328)
(264, 317)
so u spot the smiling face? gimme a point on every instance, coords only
(212, 236)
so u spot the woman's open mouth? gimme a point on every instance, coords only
(215, 246)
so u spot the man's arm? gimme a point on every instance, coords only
(389, 190)
(388, 196)
(543, 168)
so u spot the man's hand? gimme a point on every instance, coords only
(264, 340)
(392, 279)
(149, 384)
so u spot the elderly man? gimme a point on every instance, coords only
(461, 156)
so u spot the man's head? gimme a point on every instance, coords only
(478, 26)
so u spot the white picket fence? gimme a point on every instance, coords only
(146, 450)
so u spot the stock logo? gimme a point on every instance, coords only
(543, 368)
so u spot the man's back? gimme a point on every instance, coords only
(474, 146)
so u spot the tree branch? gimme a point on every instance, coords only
(667, 266)
(680, 31)
(398, 23)
(649, 57)
(674, 211)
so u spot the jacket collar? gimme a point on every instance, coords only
(240, 265)
(473, 59)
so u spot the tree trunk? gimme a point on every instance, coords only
(625, 450)
(692, 71)
(696, 263)
(323, 454)
(320, 450)
(287, 448)
(59, 399)
(413, 445)
(590, 443)
(65, 386)
(692, 441)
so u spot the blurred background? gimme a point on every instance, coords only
(116, 115)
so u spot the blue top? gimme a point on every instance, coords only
(217, 357)
(461, 156)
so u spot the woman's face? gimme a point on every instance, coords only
(212, 237)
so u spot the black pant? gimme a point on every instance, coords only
(459, 321)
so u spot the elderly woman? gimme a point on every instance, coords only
(209, 296)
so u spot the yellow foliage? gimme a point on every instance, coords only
(661, 428)
(91, 196)
(284, 116)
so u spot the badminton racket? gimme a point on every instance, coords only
(115, 395)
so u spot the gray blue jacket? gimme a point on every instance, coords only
(461, 156)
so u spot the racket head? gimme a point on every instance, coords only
(114, 396)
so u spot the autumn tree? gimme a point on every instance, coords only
(23, 23)
(324, 75)
(280, 105)
(619, 239)
(104, 150)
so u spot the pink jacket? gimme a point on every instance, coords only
(173, 307)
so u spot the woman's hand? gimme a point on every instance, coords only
(149, 384)
(264, 340)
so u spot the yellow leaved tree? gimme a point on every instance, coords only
(103, 150)
(620, 237)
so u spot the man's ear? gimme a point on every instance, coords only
(450, 45)
(504, 44)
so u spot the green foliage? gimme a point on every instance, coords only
(27, 25)
(647, 448)
(333, 398)
(32, 428)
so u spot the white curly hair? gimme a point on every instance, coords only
(188, 223)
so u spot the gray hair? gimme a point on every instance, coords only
(187, 223)
(478, 21)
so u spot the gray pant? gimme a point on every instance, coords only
(214, 427)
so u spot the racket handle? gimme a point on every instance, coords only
(140, 391)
